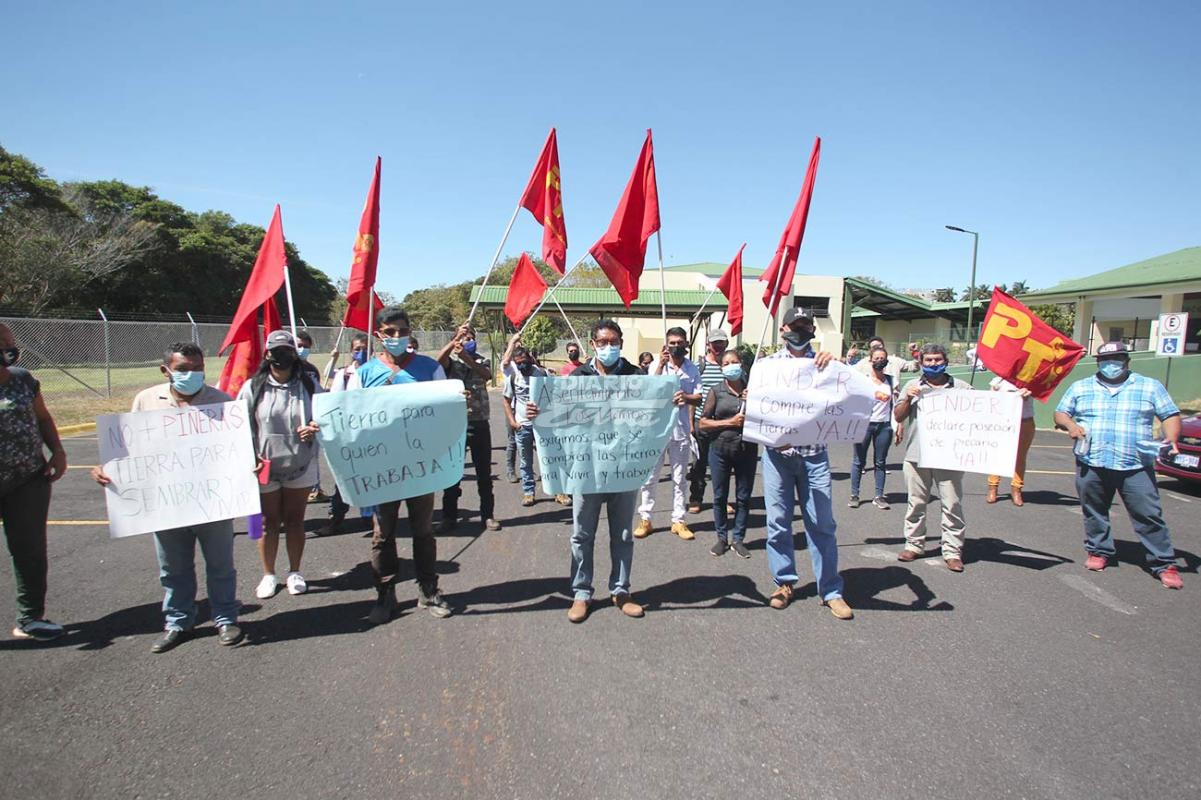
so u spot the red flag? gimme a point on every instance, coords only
(730, 284)
(790, 240)
(544, 199)
(622, 250)
(1024, 350)
(266, 279)
(247, 354)
(361, 302)
(525, 291)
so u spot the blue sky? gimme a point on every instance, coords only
(1066, 133)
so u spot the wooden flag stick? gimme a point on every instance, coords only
(662, 284)
(774, 302)
(549, 295)
(492, 266)
(291, 308)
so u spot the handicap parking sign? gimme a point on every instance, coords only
(1169, 345)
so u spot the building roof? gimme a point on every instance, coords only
(894, 305)
(712, 269)
(604, 300)
(1181, 266)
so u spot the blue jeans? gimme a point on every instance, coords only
(176, 550)
(879, 434)
(1096, 487)
(743, 467)
(787, 481)
(510, 451)
(585, 514)
(524, 436)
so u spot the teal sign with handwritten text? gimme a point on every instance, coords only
(602, 433)
(393, 442)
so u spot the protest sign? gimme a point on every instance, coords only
(969, 430)
(601, 433)
(177, 466)
(392, 442)
(790, 402)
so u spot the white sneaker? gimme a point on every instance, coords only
(296, 584)
(267, 587)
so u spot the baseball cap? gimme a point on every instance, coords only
(1113, 350)
(717, 335)
(280, 339)
(794, 315)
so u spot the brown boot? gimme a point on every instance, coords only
(1015, 494)
(578, 611)
(991, 497)
(627, 606)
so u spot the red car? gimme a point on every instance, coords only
(1186, 465)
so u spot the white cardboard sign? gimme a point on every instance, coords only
(790, 402)
(969, 430)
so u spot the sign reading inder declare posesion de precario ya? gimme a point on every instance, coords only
(969, 430)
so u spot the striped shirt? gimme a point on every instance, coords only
(710, 377)
(1117, 417)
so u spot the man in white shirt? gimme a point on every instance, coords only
(518, 372)
(674, 361)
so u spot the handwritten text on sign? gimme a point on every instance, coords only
(176, 467)
(790, 402)
(970, 431)
(601, 433)
(393, 442)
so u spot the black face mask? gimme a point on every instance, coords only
(679, 351)
(879, 366)
(526, 369)
(573, 355)
(797, 339)
(9, 356)
(281, 357)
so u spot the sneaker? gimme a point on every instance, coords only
(643, 529)
(694, 508)
(881, 503)
(853, 502)
(492, 524)
(229, 634)
(781, 597)
(511, 477)
(1170, 578)
(434, 603)
(683, 531)
(171, 638)
(318, 496)
(384, 608)
(267, 587)
(563, 499)
(1095, 562)
(740, 549)
(719, 548)
(43, 630)
(296, 583)
(527, 500)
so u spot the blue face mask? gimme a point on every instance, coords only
(935, 371)
(469, 346)
(1111, 369)
(397, 345)
(187, 383)
(303, 352)
(360, 356)
(608, 354)
(732, 372)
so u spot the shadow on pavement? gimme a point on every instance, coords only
(142, 620)
(863, 584)
(1041, 497)
(703, 591)
(1132, 552)
(528, 594)
(987, 549)
(309, 622)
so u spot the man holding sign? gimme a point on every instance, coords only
(184, 387)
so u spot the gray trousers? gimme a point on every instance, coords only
(922, 484)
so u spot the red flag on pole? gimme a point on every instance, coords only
(247, 354)
(544, 199)
(783, 264)
(621, 252)
(361, 302)
(266, 279)
(1024, 350)
(730, 284)
(525, 290)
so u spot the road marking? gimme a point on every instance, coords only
(878, 553)
(1051, 472)
(1072, 509)
(1175, 496)
(77, 522)
(1085, 587)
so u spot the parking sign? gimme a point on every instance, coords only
(1172, 328)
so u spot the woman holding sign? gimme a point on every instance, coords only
(281, 422)
(722, 418)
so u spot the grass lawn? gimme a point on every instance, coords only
(71, 403)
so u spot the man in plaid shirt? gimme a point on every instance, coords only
(1112, 411)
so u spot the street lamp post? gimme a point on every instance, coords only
(971, 294)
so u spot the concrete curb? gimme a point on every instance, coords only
(71, 430)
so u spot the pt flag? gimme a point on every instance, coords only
(783, 264)
(730, 284)
(621, 252)
(1024, 350)
(543, 198)
(525, 291)
(361, 302)
(266, 279)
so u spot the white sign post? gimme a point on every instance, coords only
(177, 467)
(969, 431)
(1173, 329)
(790, 402)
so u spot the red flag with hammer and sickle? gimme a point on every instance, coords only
(1024, 350)
(544, 199)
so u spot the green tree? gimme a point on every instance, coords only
(945, 295)
(983, 292)
(23, 184)
(1060, 316)
(1019, 288)
(541, 335)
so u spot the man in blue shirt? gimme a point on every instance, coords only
(1110, 417)
(396, 364)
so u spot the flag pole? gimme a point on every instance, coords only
(291, 308)
(495, 258)
(570, 327)
(662, 283)
(774, 302)
(549, 295)
(697, 315)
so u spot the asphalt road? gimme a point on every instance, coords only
(1025, 676)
